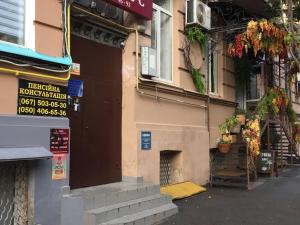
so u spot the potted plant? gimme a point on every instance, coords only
(224, 146)
(227, 138)
(240, 116)
(229, 126)
(234, 125)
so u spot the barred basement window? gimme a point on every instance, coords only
(16, 22)
(170, 167)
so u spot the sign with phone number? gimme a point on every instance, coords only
(41, 99)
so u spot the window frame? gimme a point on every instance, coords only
(160, 10)
(29, 28)
(297, 82)
(262, 90)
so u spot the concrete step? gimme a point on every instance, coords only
(106, 195)
(104, 214)
(146, 217)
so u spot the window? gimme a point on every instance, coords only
(213, 68)
(255, 85)
(161, 37)
(298, 84)
(16, 22)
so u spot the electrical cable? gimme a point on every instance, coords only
(34, 66)
(52, 70)
(66, 48)
(15, 64)
(40, 66)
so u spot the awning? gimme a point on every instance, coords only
(13, 153)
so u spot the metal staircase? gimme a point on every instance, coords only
(285, 148)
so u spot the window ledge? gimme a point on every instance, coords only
(29, 53)
(157, 85)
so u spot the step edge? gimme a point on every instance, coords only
(163, 208)
(126, 203)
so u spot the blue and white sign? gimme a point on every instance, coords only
(75, 88)
(146, 140)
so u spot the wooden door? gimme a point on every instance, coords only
(95, 155)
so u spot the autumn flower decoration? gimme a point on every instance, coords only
(251, 135)
(261, 36)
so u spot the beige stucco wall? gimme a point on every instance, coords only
(174, 126)
(48, 40)
(48, 27)
(226, 84)
(218, 114)
(8, 94)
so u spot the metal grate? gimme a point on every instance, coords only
(165, 169)
(13, 194)
(21, 195)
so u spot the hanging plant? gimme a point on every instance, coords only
(197, 78)
(260, 35)
(275, 101)
(195, 35)
(251, 135)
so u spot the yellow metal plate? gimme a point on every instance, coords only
(182, 190)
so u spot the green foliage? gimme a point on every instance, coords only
(269, 104)
(291, 113)
(198, 81)
(196, 34)
(288, 39)
(224, 141)
(266, 104)
(239, 111)
(228, 125)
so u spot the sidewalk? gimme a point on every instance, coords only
(276, 202)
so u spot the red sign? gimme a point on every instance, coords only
(59, 141)
(142, 8)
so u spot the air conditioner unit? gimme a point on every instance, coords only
(197, 13)
(148, 61)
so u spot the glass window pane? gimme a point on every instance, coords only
(12, 19)
(166, 4)
(154, 30)
(214, 73)
(165, 47)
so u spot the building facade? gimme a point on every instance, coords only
(183, 123)
(33, 79)
(115, 122)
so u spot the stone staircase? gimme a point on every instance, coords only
(124, 203)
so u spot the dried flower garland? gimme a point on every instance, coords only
(261, 36)
(251, 135)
